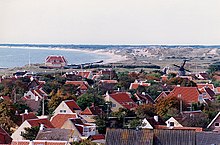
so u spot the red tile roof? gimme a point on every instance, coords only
(60, 119)
(6, 98)
(96, 137)
(188, 94)
(162, 95)
(72, 105)
(93, 110)
(55, 59)
(202, 86)
(84, 74)
(37, 122)
(24, 116)
(124, 99)
(83, 85)
(136, 85)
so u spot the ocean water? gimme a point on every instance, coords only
(17, 57)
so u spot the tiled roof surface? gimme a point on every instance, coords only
(54, 134)
(82, 84)
(72, 105)
(37, 122)
(60, 119)
(162, 95)
(129, 137)
(109, 81)
(202, 86)
(207, 138)
(4, 137)
(39, 142)
(136, 85)
(96, 137)
(145, 97)
(94, 110)
(84, 74)
(24, 116)
(124, 99)
(188, 94)
(53, 59)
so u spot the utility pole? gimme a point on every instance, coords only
(43, 106)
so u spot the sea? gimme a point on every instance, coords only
(14, 56)
(18, 55)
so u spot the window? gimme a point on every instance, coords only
(217, 124)
(171, 123)
(113, 105)
(61, 111)
(64, 111)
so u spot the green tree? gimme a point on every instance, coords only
(124, 80)
(88, 98)
(30, 133)
(7, 115)
(145, 111)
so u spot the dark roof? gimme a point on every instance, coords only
(174, 137)
(207, 138)
(96, 137)
(37, 122)
(129, 137)
(150, 137)
(4, 137)
(72, 105)
(145, 97)
(54, 134)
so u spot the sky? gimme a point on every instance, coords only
(110, 21)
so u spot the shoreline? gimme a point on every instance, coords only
(113, 58)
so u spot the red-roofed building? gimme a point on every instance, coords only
(84, 74)
(28, 124)
(90, 112)
(201, 87)
(54, 61)
(120, 100)
(162, 95)
(4, 137)
(7, 98)
(25, 116)
(136, 84)
(81, 129)
(187, 94)
(82, 85)
(98, 138)
(144, 98)
(67, 107)
(59, 119)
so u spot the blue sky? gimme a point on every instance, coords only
(110, 21)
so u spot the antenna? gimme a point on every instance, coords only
(29, 59)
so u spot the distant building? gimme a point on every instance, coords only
(54, 61)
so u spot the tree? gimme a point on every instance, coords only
(164, 105)
(87, 99)
(125, 80)
(84, 142)
(145, 111)
(30, 133)
(134, 123)
(7, 115)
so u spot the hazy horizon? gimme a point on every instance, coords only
(115, 22)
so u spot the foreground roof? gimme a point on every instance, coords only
(59, 119)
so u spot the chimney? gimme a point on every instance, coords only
(178, 85)
(93, 105)
(41, 127)
(156, 118)
(25, 111)
(143, 93)
(118, 89)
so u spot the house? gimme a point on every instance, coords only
(84, 74)
(98, 138)
(150, 137)
(143, 98)
(67, 107)
(107, 72)
(129, 137)
(59, 119)
(207, 138)
(4, 137)
(214, 125)
(25, 116)
(208, 94)
(55, 134)
(172, 122)
(30, 123)
(5, 98)
(203, 86)
(136, 84)
(90, 112)
(39, 142)
(33, 98)
(81, 129)
(162, 95)
(54, 61)
(35, 84)
(120, 100)
(152, 122)
(108, 85)
(188, 95)
(83, 86)
(202, 76)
